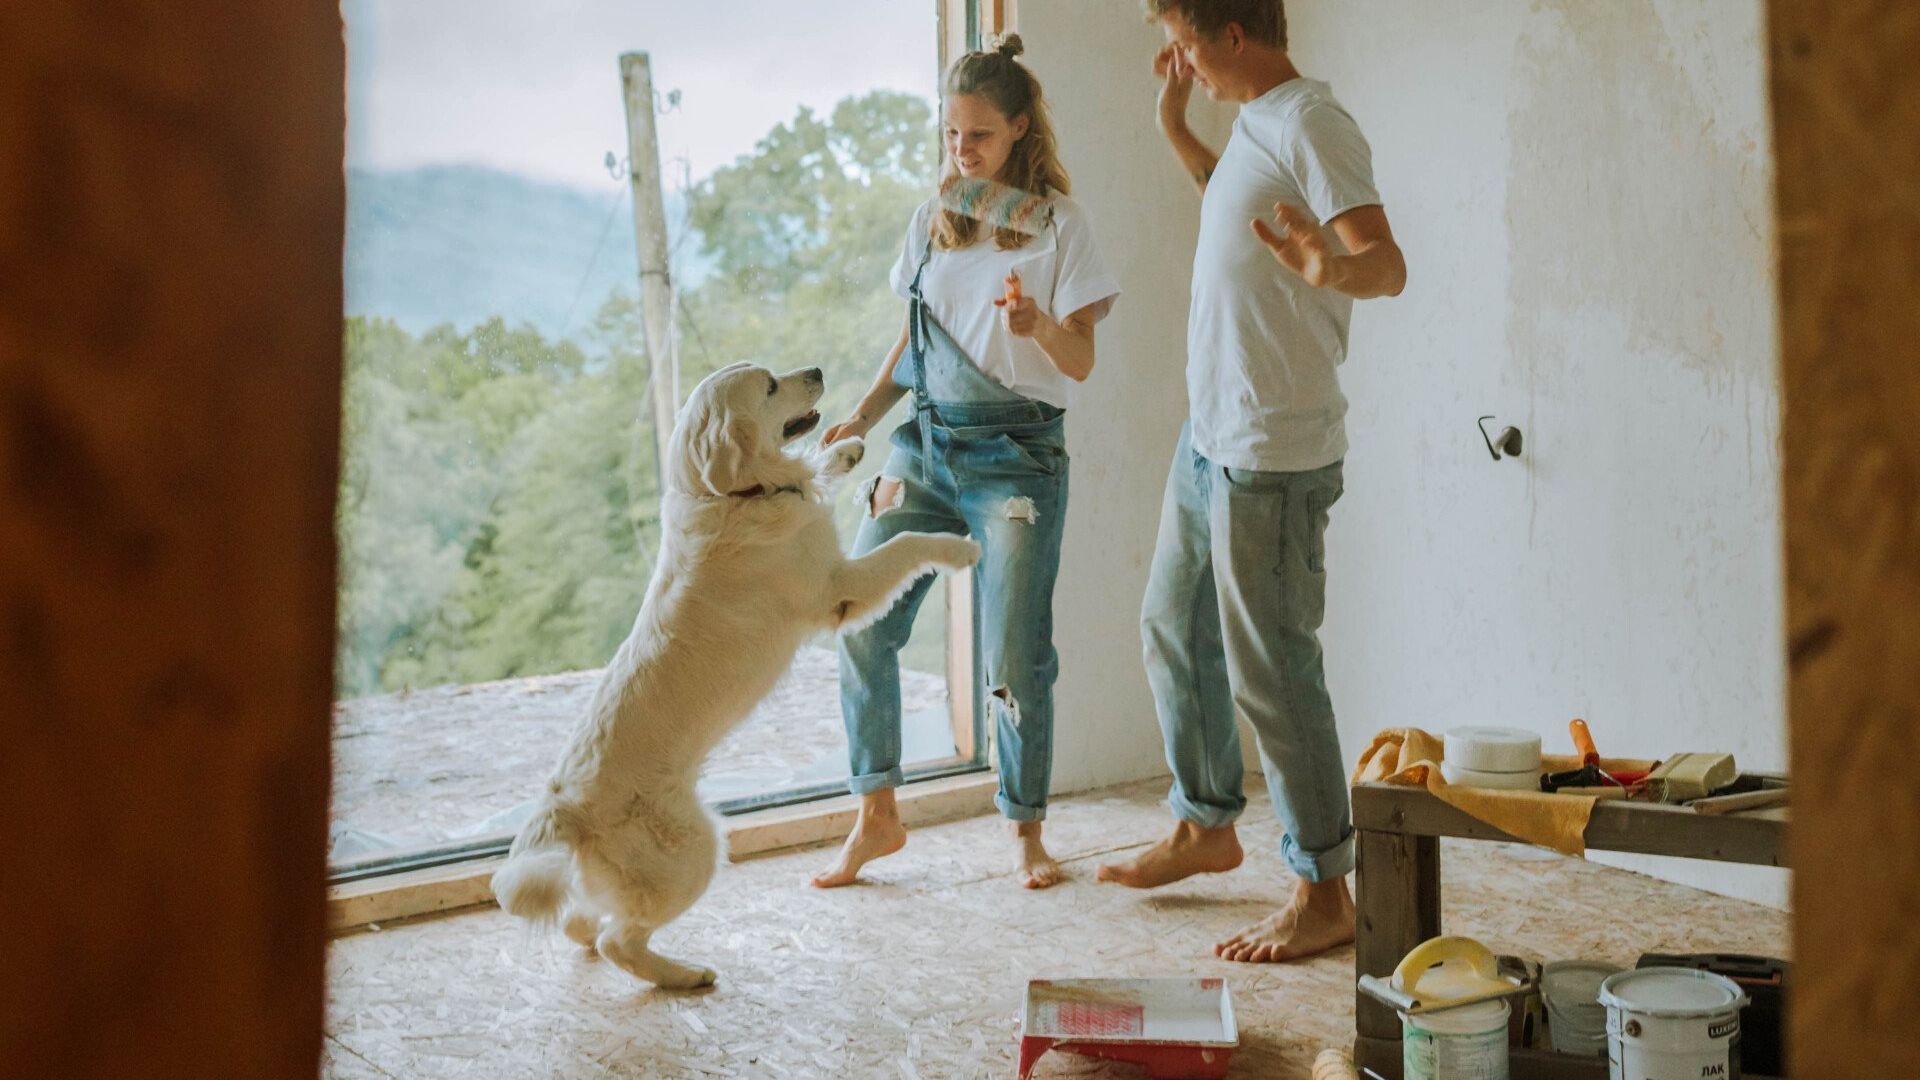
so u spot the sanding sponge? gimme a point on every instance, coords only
(1692, 776)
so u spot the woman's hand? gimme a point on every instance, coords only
(855, 426)
(1018, 313)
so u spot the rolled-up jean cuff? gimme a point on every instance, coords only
(1207, 817)
(869, 783)
(1335, 862)
(1013, 811)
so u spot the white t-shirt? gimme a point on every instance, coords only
(1060, 269)
(1263, 346)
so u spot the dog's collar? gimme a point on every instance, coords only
(761, 490)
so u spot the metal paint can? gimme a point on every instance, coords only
(1672, 1024)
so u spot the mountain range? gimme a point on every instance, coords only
(463, 243)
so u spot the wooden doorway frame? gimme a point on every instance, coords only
(170, 222)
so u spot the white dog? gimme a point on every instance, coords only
(749, 568)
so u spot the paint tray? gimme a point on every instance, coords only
(1179, 1029)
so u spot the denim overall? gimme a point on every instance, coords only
(978, 459)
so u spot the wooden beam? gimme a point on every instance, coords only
(1397, 906)
(1758, 839)
(1846, 111)
(172, 203)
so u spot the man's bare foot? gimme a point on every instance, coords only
(1190, 850)
(1318, 918)
(876, 833)
(1038, 870)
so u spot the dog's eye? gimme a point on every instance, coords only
(772, 385)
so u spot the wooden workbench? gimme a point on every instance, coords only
(1398, 890)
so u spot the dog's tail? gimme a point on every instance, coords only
(539, 868)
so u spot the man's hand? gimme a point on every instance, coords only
(1301, 247)
(1020, 314)
(1176, 86)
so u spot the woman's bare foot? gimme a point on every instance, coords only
(1038, 870)
(1190, 850)
(876, 832)
(1318, 918)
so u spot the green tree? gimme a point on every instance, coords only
(498, 506)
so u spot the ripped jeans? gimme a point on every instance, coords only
(996, 472)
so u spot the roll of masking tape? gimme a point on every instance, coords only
(1493, 749)
(1503, 781)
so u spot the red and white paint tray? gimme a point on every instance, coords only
(1179, 1029)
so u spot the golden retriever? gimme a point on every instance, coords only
(749, 569)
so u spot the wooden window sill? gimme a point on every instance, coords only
(440, 890)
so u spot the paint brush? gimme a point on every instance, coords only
(997, 205)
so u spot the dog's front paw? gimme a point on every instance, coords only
(956, 552)
(841, 457)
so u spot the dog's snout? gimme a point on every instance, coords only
(815, 375)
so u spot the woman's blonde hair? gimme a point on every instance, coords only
(1034, 164)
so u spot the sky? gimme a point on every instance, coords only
(533, 87)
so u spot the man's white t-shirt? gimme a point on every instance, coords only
(1060, 269)
(1264, 347)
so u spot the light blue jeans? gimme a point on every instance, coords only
(1230, 627)
(997, 472)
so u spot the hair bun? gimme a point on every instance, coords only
(1010, 46)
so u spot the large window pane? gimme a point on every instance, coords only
(499, 509)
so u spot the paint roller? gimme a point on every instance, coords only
(998, 206)
(1335, 1064)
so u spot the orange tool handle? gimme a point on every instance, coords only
(1013, 289)
(1583, 742)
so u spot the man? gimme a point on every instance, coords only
(1237, 590)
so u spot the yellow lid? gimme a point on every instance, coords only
(1449, 969)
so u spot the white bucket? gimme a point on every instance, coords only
(1571, 990)
(1468, 1043)
(1672, 1024)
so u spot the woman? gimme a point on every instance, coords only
(999, 326)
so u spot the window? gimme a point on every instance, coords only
(499, 508)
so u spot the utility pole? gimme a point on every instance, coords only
(650, 244)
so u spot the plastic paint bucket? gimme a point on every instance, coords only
(1571, 989)
(1672, 1024)
(1467, 1043)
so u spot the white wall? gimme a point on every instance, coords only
(1094, 58)
(1583, 193)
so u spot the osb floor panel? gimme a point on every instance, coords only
(919, 974)
(453, 762)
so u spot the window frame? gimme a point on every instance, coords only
(961, 25)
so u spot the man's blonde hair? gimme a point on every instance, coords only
(1265, 21)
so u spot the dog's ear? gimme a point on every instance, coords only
(712, 452)
(732, 444)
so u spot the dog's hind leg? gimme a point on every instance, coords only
(625, 943)
(865, 588)
(582, 924)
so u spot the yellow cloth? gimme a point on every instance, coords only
(1411, 756)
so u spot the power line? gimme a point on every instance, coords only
(619, 198)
